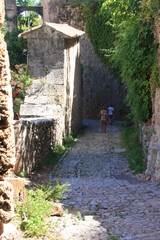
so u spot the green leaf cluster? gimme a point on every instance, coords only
(20, 80)
(135, 55)
(135, 156)
(17, 48)
(38, 206)
(28, 19)
(33, 212)
(122, 34)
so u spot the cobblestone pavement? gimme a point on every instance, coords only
(114, 203)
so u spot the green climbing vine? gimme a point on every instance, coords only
(122, 34)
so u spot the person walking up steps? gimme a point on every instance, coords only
(110, 114)
(104, 116)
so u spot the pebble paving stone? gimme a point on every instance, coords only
(111, 201)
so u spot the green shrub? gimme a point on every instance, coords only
(122, 34)
(57, 152)
(68, 141)
(38, 206)
(57, 193)
(130, 139)
(19, 81)
(33, 212)
(21, 174)
(54, 155)
(17, 48)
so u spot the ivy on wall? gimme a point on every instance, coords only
(122, 34)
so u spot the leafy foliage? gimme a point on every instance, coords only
(135, 54)
(57, 151)
(33, 213)
(25, 2)
(19, 81)
(130, 139)
(28, 19)
(38, 206)
(17, 48)
(122, 35)
(57, 193)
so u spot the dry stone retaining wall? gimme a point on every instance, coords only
(34, 139)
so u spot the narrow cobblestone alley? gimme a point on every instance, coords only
(114, 203)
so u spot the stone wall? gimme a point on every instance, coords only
(7, 156)
(99, 86)
(54, 63)
(153, 161)
(11, 14)
(51, 8)
(34, 140)
(72, 86)
(52, 106)
(6, 111)
(44, 98)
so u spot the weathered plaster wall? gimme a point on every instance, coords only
(34, 139)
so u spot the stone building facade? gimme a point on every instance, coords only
(99, 86)
(54, 63)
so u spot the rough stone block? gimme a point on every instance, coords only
(38, 110)
(6, 202)
(1, 12)
(5, 162)
(18, 185)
